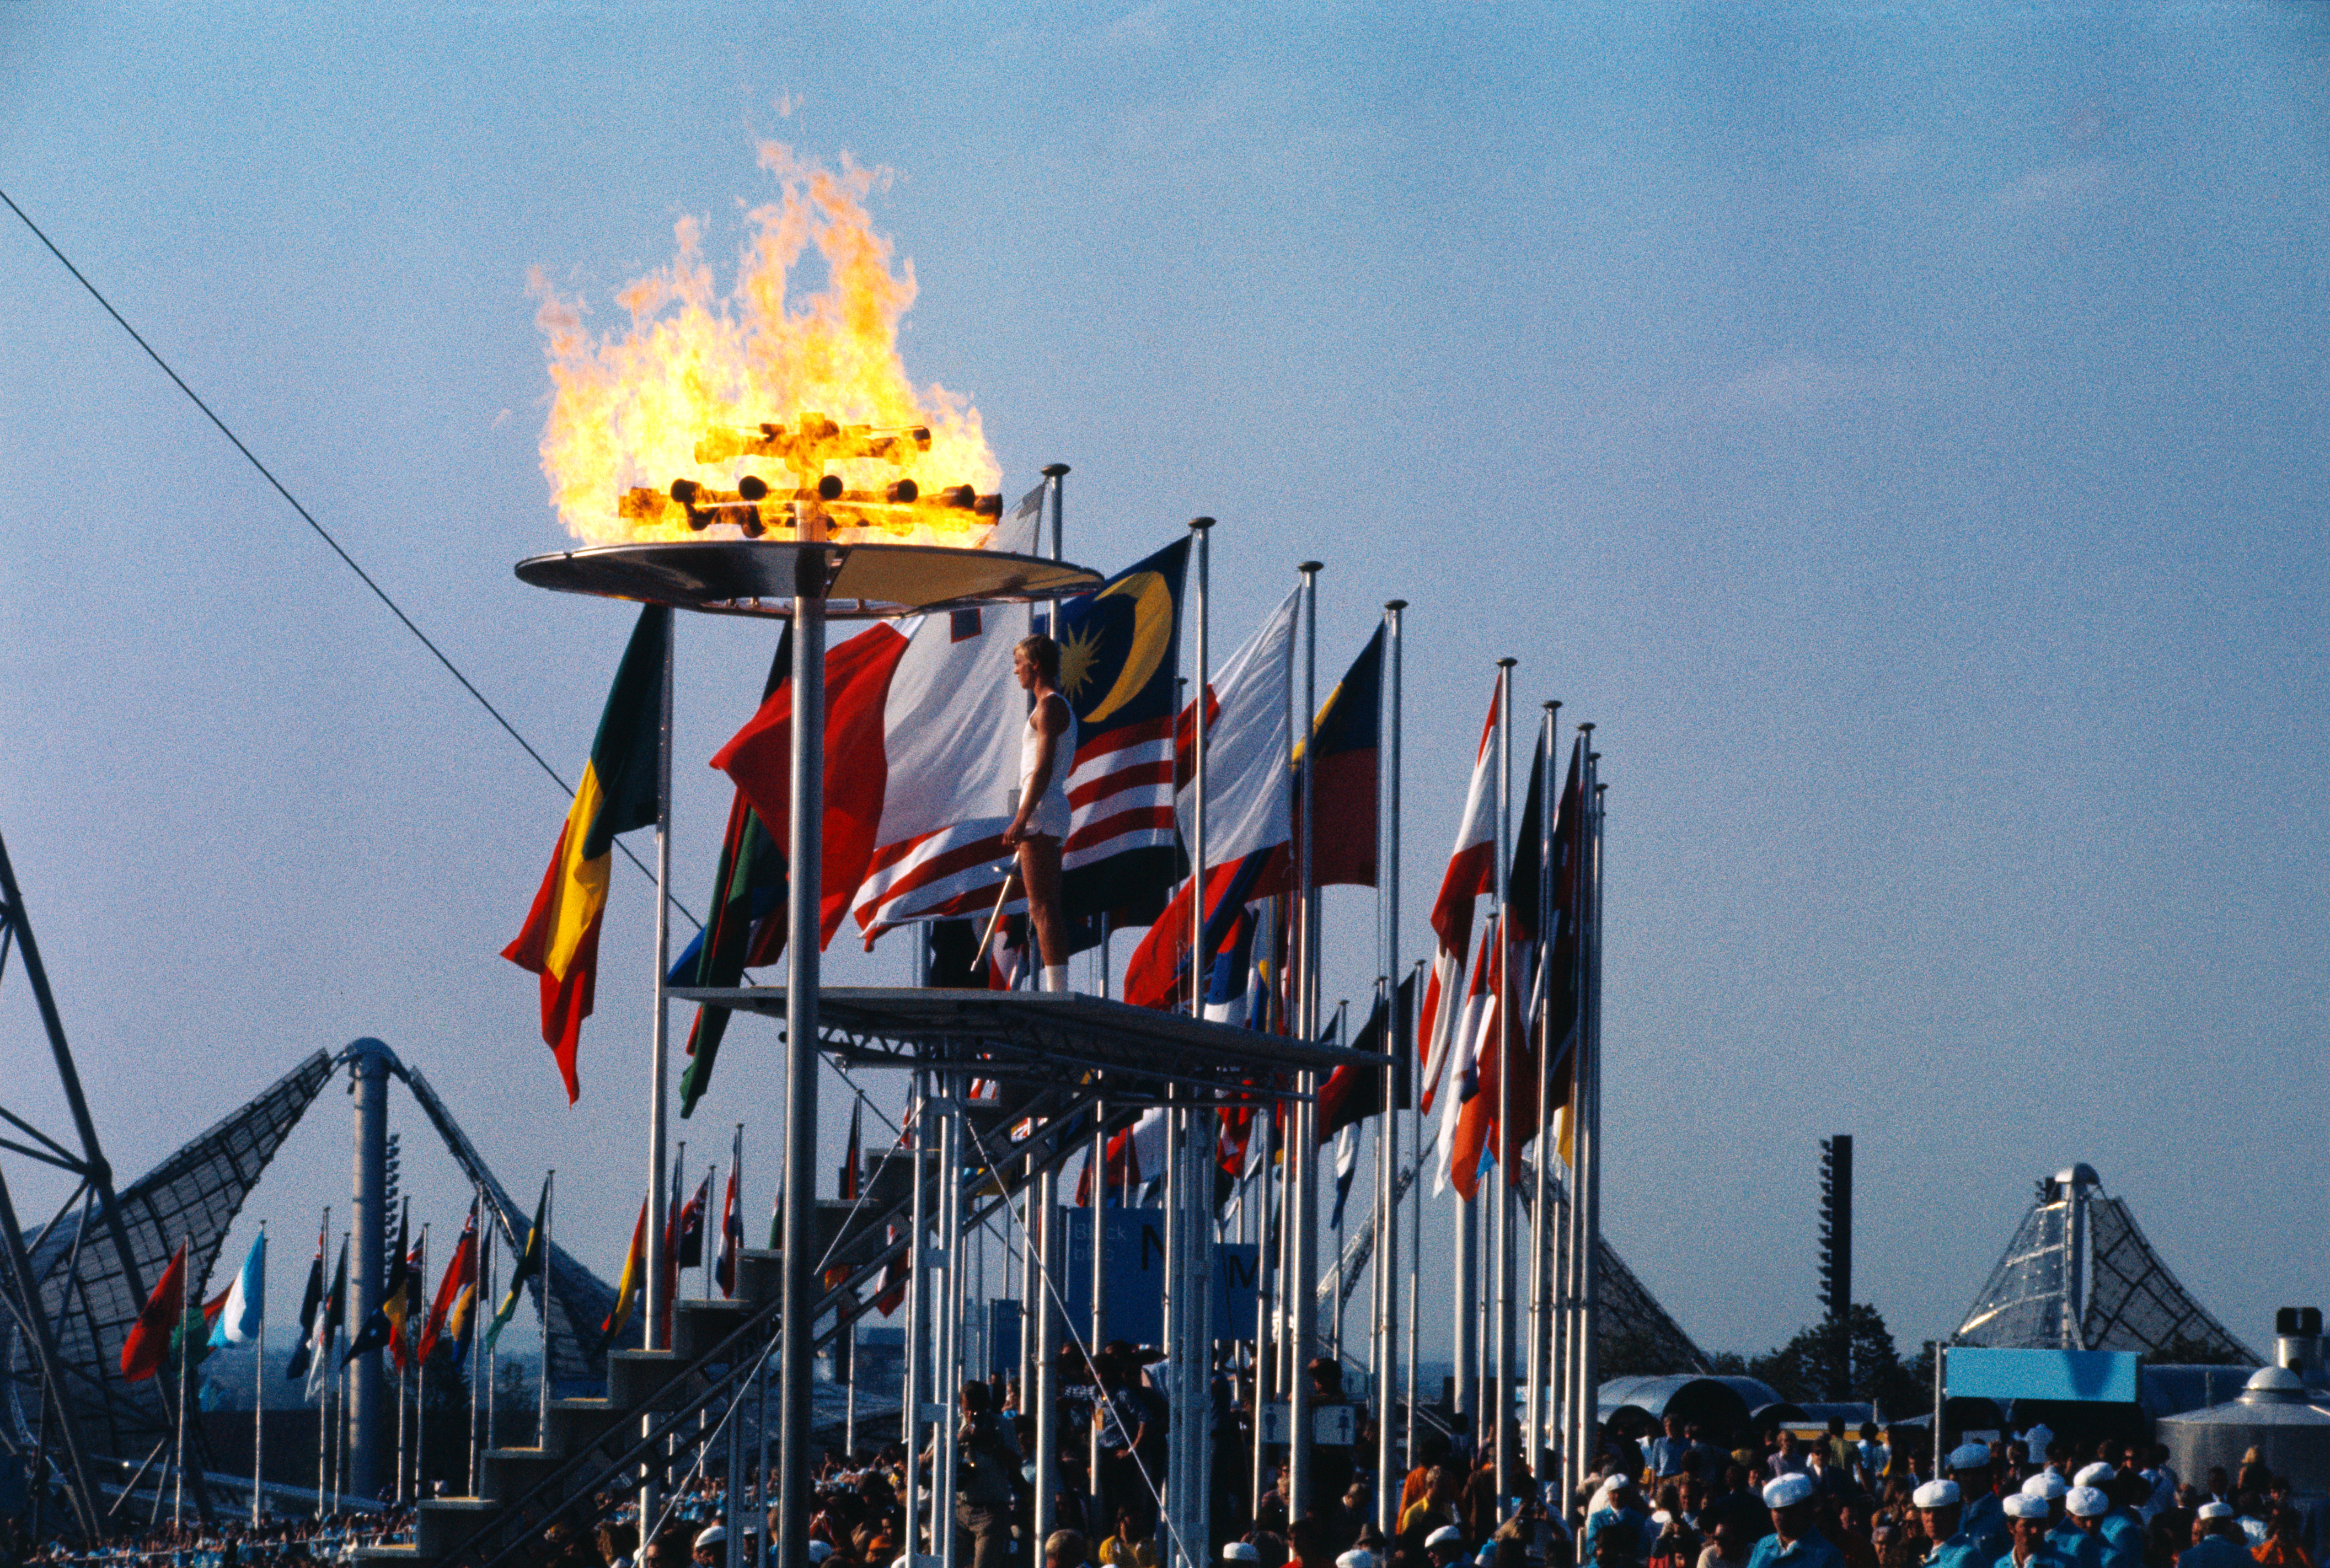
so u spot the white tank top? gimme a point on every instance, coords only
(1054, 805)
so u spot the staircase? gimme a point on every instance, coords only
(654, 1397)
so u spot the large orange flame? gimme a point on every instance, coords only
(689, 384)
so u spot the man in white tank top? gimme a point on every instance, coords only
(1048, 747)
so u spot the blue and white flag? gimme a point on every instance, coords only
(246, 1300)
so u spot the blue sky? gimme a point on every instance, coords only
(1899, 426)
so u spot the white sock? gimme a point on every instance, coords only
(1056, 977)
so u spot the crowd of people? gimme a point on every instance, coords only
(275, 1541)
(1678, 1497)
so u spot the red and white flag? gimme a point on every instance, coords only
(1472, 872)
(1460, 1103)
(921, 747)
(1249, 758)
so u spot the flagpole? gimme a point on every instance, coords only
(1581, 1397)
(1265, 1260)
(1099, 1333)
(1540, 1188)
(1590, 1326)
(654, 1289)
(1301, 1457)
(735, 1521)
(804, 849)
(185, 1366)
(477, 1351)
(918, 1252)
(1502, 1261)
(542, 1283)
(258, 1391)
(1385, 1351)
(323, 1403)
(420, 1380)
(1203, 528)
(1415, 1258)
(488, 1276)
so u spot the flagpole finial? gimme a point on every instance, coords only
(1308, 567)
(1585, 728)
(1200, 525)
(1507, 663)
(1551, 705)
(1053, 470)
(1395, 604)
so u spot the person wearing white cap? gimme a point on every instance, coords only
(1979, 1513)
(2026, 1523)
(1357, 1557)
(1444, 1546)
(1623, 1506)
(2216, 1540)
(2064, 1536)
(1795, 1541)
(2098, 1474)
(1942, 1506)
(1240, 1552)
(2091, 1510)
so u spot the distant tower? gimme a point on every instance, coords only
(1836, 1255)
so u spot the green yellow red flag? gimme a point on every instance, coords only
(618, 792)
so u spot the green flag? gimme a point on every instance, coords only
(529, 1264)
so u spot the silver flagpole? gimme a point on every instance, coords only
(1176, 1435)
(804, 849)
(950, 1356)
(1386, 1260)
(1415, 1253)
(1203, 528)
(1581, 1399)
(654, 1291)
(324, 1396)
(1264, 1269)
(542, 1283)
(477, 1347)
(259, 1394)
(1541, 1231)
(1098, 1337)
(737, 1385)
(1175, 1124)
(918, 1254)
(1501, 1412)
(1301, 1454)
(1046, 1389)
(1590, 1325)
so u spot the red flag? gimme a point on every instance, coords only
(732, 1236)
(1472, 872)
(460, 1275)
(147, 1348)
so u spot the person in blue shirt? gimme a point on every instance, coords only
(1938, 1503)
(1664, 1454)
(1625, 1507)
(2122, 1529)
(2216, 1540)
(2026, 1522)
(1795, 1541)
(1980, 1515)
(2064, 1539)
(2090, 1509)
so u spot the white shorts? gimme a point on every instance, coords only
(1050, 817)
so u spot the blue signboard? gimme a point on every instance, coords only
(1136, 1277)
(2094, 1376)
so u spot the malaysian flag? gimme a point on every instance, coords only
(1120, 659)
